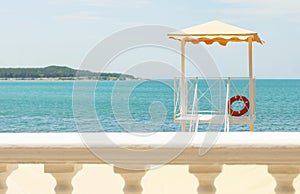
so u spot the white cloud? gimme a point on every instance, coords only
(262, 7)
(106, 3)
(117, 3)
(82, 15)
(5, 11)
(295, 19)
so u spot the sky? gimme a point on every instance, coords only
(38, 33)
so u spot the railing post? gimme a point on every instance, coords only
(284, 176)
(63, 174)
(206, 175)
(5, 171)
(183, 87)
(227, 114)
(132, 179)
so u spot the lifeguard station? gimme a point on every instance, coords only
(188, 96)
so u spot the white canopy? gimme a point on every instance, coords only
(215, 31)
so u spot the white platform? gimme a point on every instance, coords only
(213, 118)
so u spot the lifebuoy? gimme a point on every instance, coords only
(242, 111)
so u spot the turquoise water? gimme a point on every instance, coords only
(47, 106)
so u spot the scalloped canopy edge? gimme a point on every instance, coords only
(215, 31)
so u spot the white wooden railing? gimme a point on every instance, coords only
(211, 91)
(63, 154)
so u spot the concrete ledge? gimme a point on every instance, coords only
(230, 148)
(172, 139)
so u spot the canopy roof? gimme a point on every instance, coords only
(215, 31)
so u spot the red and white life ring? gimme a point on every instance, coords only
(241, 112)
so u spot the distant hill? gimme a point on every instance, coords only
(58, 72)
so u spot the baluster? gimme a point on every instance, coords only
(206, 175)
(132, 179)
(5, 171)
(284, 176)
(63, 174)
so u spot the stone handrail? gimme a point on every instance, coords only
(63, 153)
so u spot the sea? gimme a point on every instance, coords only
(48, 106)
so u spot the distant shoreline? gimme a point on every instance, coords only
(58, 73)
(59, 79)
(89, 79)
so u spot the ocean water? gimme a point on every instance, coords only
(140, 106)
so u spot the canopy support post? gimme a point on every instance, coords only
(251, 88)
(183, 99)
